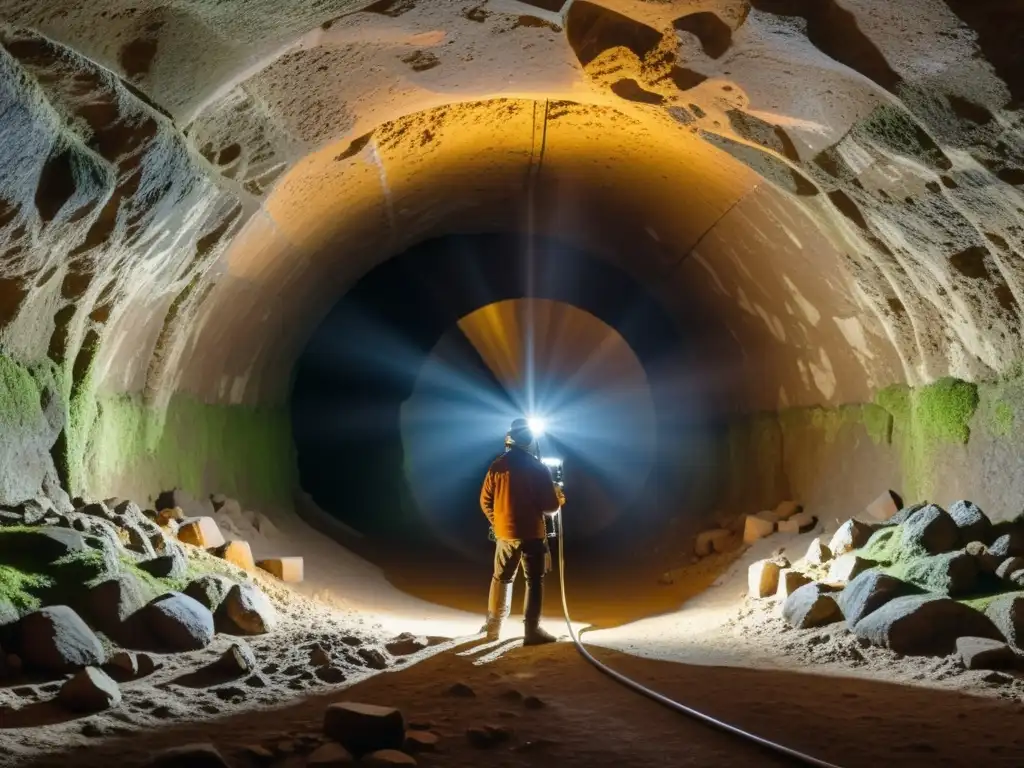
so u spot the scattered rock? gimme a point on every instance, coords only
(885, 506)
(329, 755)
(40, 545)
(91, 690)
(1007, 613)
(789, 582)
(189, 756)
(926, 625)
(179, 622)
(250, 609)
(487, 736)
(763, 578)
(123, 666)
(984, 653)
(987, 562)
(786, 509)
(801, 522)
(817, 552)
(318, 657)
(201, 532)
(331, 674)
(287, 569)
(868, 592)
(1008, 567)
(953, 573)
(461, 690)
(388, 757)
(853, 534)
(755, 529)
(714, 540)
(405, 644)
(847, 567)
(168, 515)
(373, 658)
(930, 530)
(237, 660)
(210, 590)
(974, 525)
(170, 566)
(96, 509)
(238, 553)
(1009, 544)
(363, 728)
(57, 640)
(812, 605)
(420, 741)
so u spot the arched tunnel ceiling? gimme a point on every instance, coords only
(839, 182)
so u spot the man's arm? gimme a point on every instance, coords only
(550, 498)
(487, 497)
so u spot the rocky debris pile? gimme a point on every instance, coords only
(919, 580)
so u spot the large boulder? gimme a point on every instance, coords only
(1007, 613)
(56, 639)
(237, 552)
(883, 546)
(1009, 544)
(210, 590)
(1008, 567)
(172, 565)
(953, 573)
(930, 531)
(812, 605)
(987, 562)
(790, 580)
(904, 514)
(763, 578)
(364, 728)
(974, 525)
(250, 609)
(756, 528)
(817, 552)
(923, 625)
(40, 545)
(983, 653)
(847, 567)
(108, 604)
(91, 690)
(868, 592)
(179, 623)
(853, 534)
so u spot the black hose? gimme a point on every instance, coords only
(664, 700)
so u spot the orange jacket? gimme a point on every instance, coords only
(517, 491)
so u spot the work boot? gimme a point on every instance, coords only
(533, 634)
(499, 605)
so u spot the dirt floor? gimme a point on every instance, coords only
(701, 643)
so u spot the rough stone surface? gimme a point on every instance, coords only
(189, 756)
(812, 605)
(210, 590)
(1008, 567)
(985, 653)
(287, 569)
(250, 609)
(931, 530)
(200, 532)
(1009, 544)
(1007, 613)
(847, 567)
(237, 553)
(329, 755)
(90, 690)
(818, 552)
(763, 578)
(974, 524)
(406, 643)
(884, 507)
(108, 605)
(420, 741)
(924, 625)
(851, 535)
(953, 573)
(56, 639)
(364, 728)
(237, 660)
(868, 592)
(987, 562)
(388, 757)
(170, 566)
(789, 581)
(41, 545)
(179, 623)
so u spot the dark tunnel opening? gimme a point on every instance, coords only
(364, 362)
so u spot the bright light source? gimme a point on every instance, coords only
(551, 461)
(536, 425)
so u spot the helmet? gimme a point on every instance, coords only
(519, 434)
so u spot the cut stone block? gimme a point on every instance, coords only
(885, 506)
(818, 552)
(763, 578)
(798, 523)
(853, 534)
(847, 567)
(288, 569)
(789, 582)
(983, 653)
(786, 509)
(756, 528)
(237, 552)
(201, 532)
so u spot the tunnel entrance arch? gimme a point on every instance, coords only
(362, 364)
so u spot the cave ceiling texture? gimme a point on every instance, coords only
(188, 187)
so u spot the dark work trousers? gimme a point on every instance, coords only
(508, 553)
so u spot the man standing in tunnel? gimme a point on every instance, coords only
(517, 494)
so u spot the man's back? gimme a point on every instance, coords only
(516, 493)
